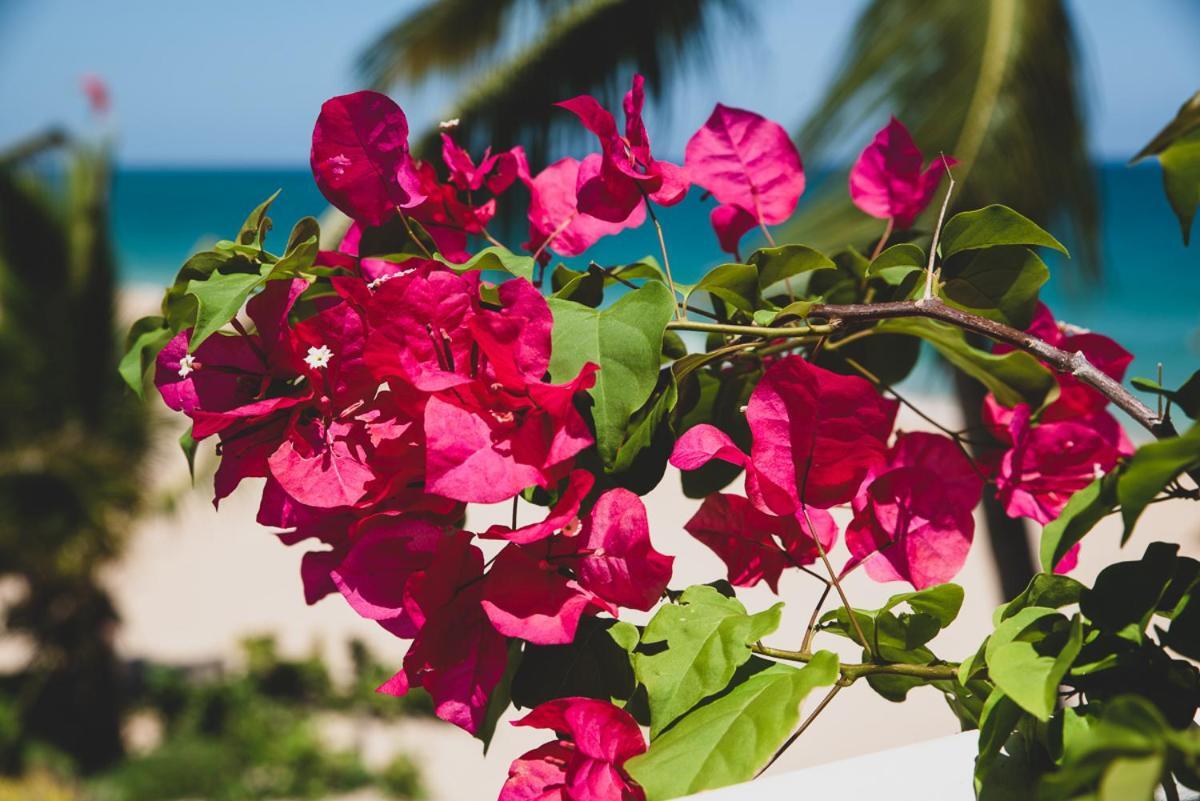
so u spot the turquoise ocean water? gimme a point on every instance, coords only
(1148, 297)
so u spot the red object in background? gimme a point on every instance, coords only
(99, 99)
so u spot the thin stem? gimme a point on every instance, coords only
(766, 232)
(662, 245)
(833, 691)
(562, 226)
(413, 234)
(514, 512)
(750, 330)
(1075, 364)
(853, 671)
(488, 236)
(887, 232)
(937, 232)
(811, 631)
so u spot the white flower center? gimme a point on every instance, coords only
(318, 357)
(446, 125)
(187, 365)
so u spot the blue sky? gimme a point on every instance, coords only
(231, 82)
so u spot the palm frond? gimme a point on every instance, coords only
(996, 89)
(441, 35)
(591, 46)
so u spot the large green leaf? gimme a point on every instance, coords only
(729, 739)
(991, 226)
(625, 340)
(495, 258)
(901, 637)
(897, 263)
(648, 427)
(735, 284)
(254, 230)
(1086, 508)
(218, 300)
(1029, 654)
(146, 338)
(1014, 377)
(1178, 149)
(1128, 593)
(1181, 180)
(707, 637)
(596, 665)
(999, 283)
(301, 251)
(1152, 467)
(786, 261)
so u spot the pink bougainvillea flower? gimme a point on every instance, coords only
(540, 591)
(628, 172)
(619, 564)
(555, 222)
(816, 435)
(360, 157)
(887, 180)
(1076, 400)
(756, 546)
(731, 222)
(1073, 437)
(447, 218)
(457, 655)
(914, 516)
(373, 575)
(1047, 463)
(750, 166)
(586, 763)
(563, 516)
(528, 595)
(497, 171)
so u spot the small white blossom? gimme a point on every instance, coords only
(187, 365)
(318, 357)
(446, 125)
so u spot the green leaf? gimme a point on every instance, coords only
(735, 284)
(1083, 511)
(1129, 778)
(786, 261)
(1013, 377)
(1045, 590)
(500, 698)
(301, 252)
(218, 300)
(896, 263)
(1181, 180)
(902, 637)
(1127, 593)
(729, 739)
(1029, 654)
(999, 283)
(597, 664)
(1187, 397)
(146, 338)
(188, 445)
(649, 425)
(705, 638)
(1152, 467)
(991, 226)
(495, 258)
(254, 230)
(625, 340)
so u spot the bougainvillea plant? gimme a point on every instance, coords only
(378, 391)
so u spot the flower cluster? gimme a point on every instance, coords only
(375, 419)
(821, 440)
(1060, 449)
(379, 393)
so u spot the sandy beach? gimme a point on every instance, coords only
(195, 581)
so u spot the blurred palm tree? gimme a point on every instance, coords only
(993, 82)
(72, 441)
